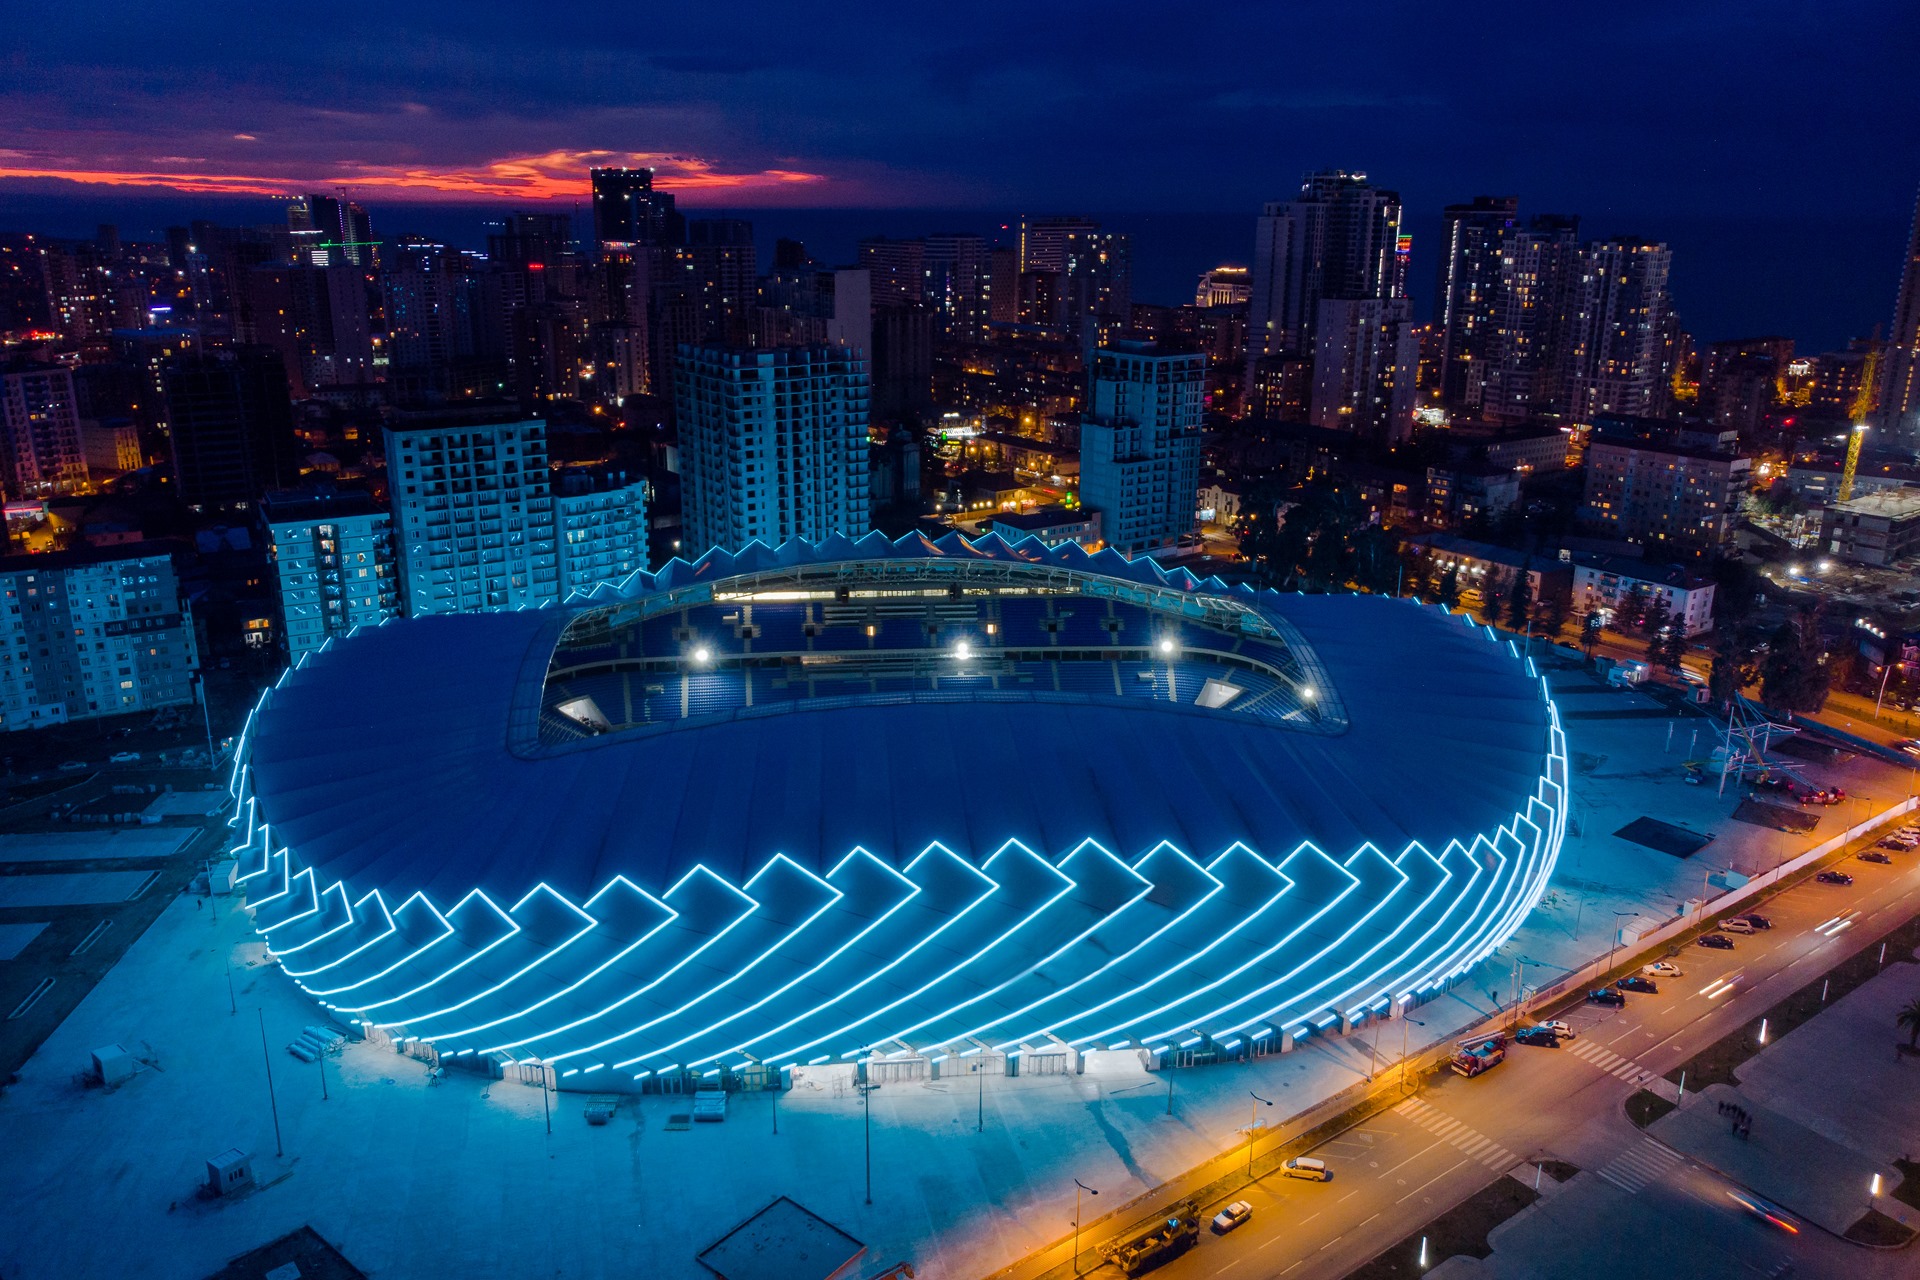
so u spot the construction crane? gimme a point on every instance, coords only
(1863, 403)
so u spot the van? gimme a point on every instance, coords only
(1308, 1167)
(1736, 924)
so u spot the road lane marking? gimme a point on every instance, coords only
(1430, 1181)
(1415, 1156)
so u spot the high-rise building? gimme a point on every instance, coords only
(92, 633)
(601, 518)
(1340, 238)
(330, 232)
(1539, 276)
(902, 368)
(1467, 295)
(41, 448)
(473, 508)
(1644, 484)
(337, 568)
(1366, 355)
(1046, 242)
(1225, 286)
(1140, 443)
(1899, 411)
(232, 426)
(773, 445)
(956, 284)
(808, 305)
(316, 318)
(898, 270)
(1619, 321)
(622, 208)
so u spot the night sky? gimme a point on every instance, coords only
(1801, 115)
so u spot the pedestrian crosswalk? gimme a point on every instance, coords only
(1635, 1167)
(1610, 1062)
(1463, 1136)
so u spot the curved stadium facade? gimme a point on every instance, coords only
(936, 799)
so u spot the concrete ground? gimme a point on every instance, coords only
(1810, 1175)
(1871, 1101)
(461, 1176)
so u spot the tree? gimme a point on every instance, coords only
(1493, 592)
(1655, 625)
(1449, 595)
(1556, 603)
(1733, 666)
(1795, 674)
(1520, 600)
(1908, 1020)
(1590, 628)
(1631, 612)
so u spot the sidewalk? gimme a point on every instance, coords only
(1783, 1160)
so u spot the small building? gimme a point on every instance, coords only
(1469, 491)
(1601, 582)
(1053, 525)
(93, 633)
(1876, 529)
(1478, 563)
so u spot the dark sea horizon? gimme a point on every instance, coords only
(1820, 283)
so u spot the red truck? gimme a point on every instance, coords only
(1475, 1056)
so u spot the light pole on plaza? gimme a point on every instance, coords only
(1253, 1114)
(1078, 1187)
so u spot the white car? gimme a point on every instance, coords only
(1663, 969)
(1232, 1216)
(1560, 1029)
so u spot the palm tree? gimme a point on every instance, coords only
(1908, 1020)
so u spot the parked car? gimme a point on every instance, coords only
(1231, 1216)
(1773, 782)
(1634, 982)
(125, 757)
(1716, 942)
(1825, 877)
(1663, 969)
(1560, 1029)
(1826, 795)
(1607, 996)
(1738, 924)
(1899, 844)
(1537, 1036)
(1309, 1168)
(1755, 919)
(1871, 856)
(73, 766)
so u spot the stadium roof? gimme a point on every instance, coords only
(403, 768)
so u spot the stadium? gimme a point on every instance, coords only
(898, 802)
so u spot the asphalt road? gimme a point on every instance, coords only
(1408, 1165)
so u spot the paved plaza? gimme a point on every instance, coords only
(412, 1177)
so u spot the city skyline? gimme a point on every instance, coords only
(755, 110)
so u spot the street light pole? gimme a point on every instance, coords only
(279, 1148)
(866, 1112)
(1253, 1113)
(1404, 1020)
(1614, 946)
(980, 1110)
(1078, 1187)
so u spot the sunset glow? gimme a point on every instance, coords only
(553, 175)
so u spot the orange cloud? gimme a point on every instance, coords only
(554, 175)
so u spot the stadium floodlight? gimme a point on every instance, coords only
(963, 651)
(1306, 691)
(703, 655)
(1167, 647)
